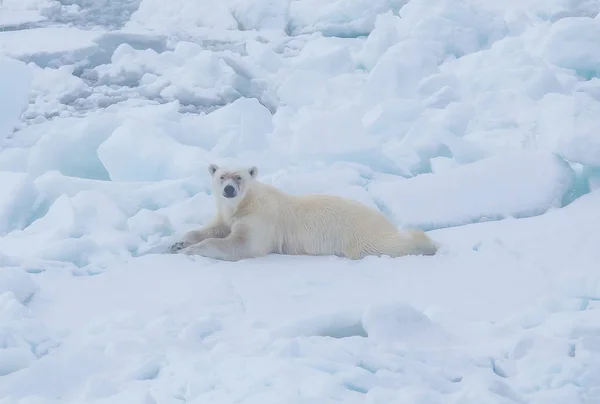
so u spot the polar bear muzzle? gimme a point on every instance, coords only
(229, 191)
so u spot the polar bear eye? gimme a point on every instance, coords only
(237, 177)
(222, 177)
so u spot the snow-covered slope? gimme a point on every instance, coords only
(476, 120)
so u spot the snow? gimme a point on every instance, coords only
(473, 120)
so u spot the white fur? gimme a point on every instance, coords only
(263, 220)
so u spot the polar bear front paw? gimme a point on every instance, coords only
(177, 247)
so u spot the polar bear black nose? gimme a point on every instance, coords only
(229, 191)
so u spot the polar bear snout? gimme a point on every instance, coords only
(229, 191)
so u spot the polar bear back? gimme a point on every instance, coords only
(315, 224)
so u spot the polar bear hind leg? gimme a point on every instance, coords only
(410, 242)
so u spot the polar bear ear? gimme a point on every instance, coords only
(212, 169)
(253, 171)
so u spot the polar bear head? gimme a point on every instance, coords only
(231, 184)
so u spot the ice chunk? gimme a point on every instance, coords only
(434, 133)
(130, 197)
(55, 91)
(444, 28)
(398, 71)
(157, 155)
(321, 180)
(263, 55)
(214, 81)
(14, 159)
(15, 17)
(242, 126)
(69, 145)
(6, 261)
(16, 200)
(87, 228)
(574, 43)
(22, 338)
(150, 227)
(568, 125)
(343, 324)
(556, 10)
(13, 359)
(302, 87)
(388, 31)
(337, 134)
(262, 15)
(326, 55)
(513, 184)
(441, 164)
(15, 82)
(45, 45)
(392, 117)
(460, 27)
(190, 74)
(507, 65)
(337, 179)
(181, 15)
(593, 176)
(56, 224)
(147, 223)
(18, 282)
(338, 18)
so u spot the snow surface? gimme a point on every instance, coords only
(476, 120)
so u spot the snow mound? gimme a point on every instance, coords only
(518, 184)
(395, 323)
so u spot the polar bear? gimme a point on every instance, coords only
(254, 219)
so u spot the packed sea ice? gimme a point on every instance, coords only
(475, 120)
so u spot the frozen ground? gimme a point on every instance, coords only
(476, 120)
